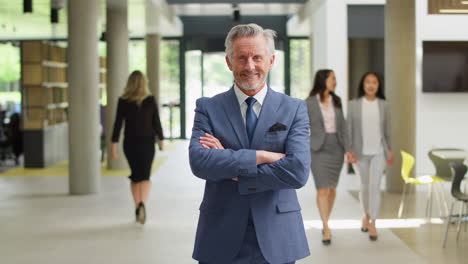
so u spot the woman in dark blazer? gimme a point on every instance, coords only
(142, 125)
(369, 127)
(328, 143)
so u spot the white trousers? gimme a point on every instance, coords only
(370, 169)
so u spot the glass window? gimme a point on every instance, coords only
(276, 75)
(169, 86)
(137, 56)
(193, 86)
(217, 77)
(10, 68)
(301, 79)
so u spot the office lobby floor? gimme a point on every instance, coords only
(41, 223)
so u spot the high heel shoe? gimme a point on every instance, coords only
(365, 228)
(373, 230)
(141, 213)
(325, 242)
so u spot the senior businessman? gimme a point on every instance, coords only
(251, 146)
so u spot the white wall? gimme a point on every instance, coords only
(329, 33)
(328, 26)
(442, 119)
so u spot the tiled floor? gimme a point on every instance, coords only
(426, 239)
(40, 223)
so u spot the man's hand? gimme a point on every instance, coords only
(210, 142)
(263, 157)
(267, 157)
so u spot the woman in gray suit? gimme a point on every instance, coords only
(369, 127)
(328, 143)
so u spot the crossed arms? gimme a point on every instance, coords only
(255, 170)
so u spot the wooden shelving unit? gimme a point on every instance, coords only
(44, 84)
(44, 103)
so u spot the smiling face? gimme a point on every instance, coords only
(250, 62)
(371, 85)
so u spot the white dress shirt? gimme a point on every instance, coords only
(371, 134)
(241, 96)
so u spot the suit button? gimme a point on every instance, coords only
(252, 189)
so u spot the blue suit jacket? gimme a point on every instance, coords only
(268, 190)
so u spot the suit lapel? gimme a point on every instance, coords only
(233, 114)
(269, 108)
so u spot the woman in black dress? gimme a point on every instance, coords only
(142, 125)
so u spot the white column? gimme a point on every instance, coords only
(400, 81)
(153, 64)
(83, 97)
(117, 71)
(153, 41)
(329, 26)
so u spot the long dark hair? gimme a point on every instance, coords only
(380, 91)
(320, 87)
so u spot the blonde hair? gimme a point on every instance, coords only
(137, 87)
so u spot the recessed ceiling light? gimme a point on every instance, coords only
(464, 2)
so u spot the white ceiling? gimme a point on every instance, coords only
(14, 24)
(245, 9)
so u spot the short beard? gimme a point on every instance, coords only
(247, 87)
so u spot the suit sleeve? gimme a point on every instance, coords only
(290, 172)
(216, 164)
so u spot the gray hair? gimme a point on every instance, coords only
(250, 30)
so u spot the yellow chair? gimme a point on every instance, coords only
(406, 167)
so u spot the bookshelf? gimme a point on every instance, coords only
(44, 103)
(44, 84)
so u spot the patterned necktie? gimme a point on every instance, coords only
(250, 118)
